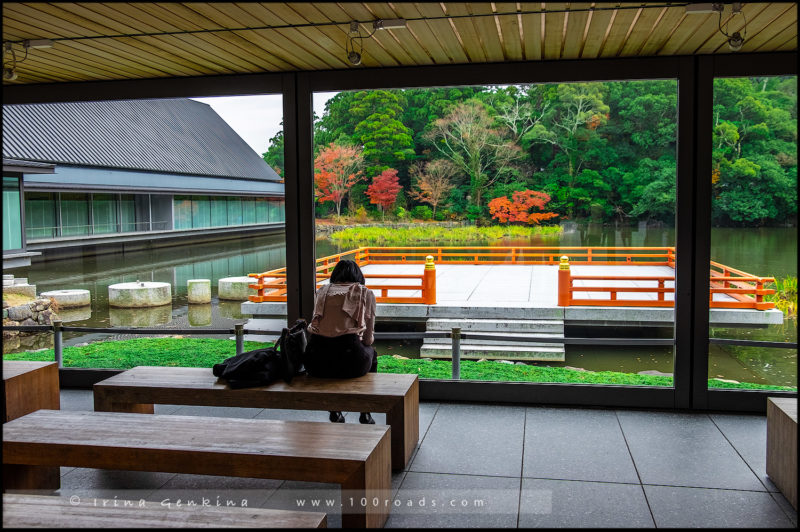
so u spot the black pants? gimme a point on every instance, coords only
(341, 357)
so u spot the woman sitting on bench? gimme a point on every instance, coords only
(342, 330)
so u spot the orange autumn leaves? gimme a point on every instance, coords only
(519, 207)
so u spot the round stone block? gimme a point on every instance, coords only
(69, 298)
(199, 290)
(235, 288)
(139, 294)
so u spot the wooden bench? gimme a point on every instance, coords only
(355, 456)
(782, 445)
(38, 511)
(137, 389)
(28, 387)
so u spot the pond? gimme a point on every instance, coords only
(763, 252)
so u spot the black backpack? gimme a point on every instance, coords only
(260, 367)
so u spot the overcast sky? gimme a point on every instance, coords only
(257, 118)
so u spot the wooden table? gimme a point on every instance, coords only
(29, 386)
(782, 445)
(37, 511)
(137, 389)
(355, 456)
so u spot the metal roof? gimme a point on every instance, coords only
(177, 136)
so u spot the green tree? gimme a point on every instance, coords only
(386, 140)
(274, 154)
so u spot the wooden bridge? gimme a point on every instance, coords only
(591, 276)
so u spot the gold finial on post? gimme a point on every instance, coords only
(429, 265)
(564, 263)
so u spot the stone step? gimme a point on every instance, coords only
(497, 352)
(263, 325)
(496, 325)
(502, 339)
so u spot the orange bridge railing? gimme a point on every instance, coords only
(743, 289)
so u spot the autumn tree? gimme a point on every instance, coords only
(433, 181)
(466, 137)
(518, 209)
(336, 169)
(383, 190)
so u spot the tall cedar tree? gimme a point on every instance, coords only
(383, 190)
(336, 170)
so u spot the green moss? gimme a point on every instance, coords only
(205, 352)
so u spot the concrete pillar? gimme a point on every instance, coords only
(199, 290)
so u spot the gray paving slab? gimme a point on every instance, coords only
(473, 440)
(211, 490)
(78, 400)
(748, 435)
(786, 506)
(427, 500)
(575, 504)
(576, 444)
(677, 507)
(218, 411)
(679, 449)
(108, 484)
(309, 497)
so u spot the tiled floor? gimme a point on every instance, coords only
(514, 466)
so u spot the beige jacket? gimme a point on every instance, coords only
(344, 308)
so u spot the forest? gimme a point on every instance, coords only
(532, 154)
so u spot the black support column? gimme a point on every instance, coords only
(299, 187)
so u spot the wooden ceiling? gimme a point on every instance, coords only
(112, 41)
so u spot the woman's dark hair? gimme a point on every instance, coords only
(347, 271)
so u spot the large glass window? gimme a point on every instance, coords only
(753, 233)
(219, 211)
(262, 210)
(234, 211)
(12, 216)
(74, 214)
(201, 211)
(127, 213)
(248, 211)
(183, 212)
(104, 213)
(497, 183)
(40, 215)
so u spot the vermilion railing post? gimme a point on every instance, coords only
(429, 282)
(564, 283)
(660, 286)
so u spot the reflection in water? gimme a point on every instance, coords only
(231, 309)
(200, 315)
(140, 317)
(68, 315)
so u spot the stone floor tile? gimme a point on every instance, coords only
(576, 504)
(714, 508)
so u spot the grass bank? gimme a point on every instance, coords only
(432, 233)
(205, 352)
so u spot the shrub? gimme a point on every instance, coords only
(422, 212)
(361, 214)
(439, 216)
(400, 213)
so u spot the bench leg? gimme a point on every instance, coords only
(367, 494)
(105, 404)
(404, 420)
(31, 478)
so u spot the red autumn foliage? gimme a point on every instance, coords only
(518, 208)
(384, 188)
(336, 171)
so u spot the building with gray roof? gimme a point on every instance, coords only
(108, 172)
